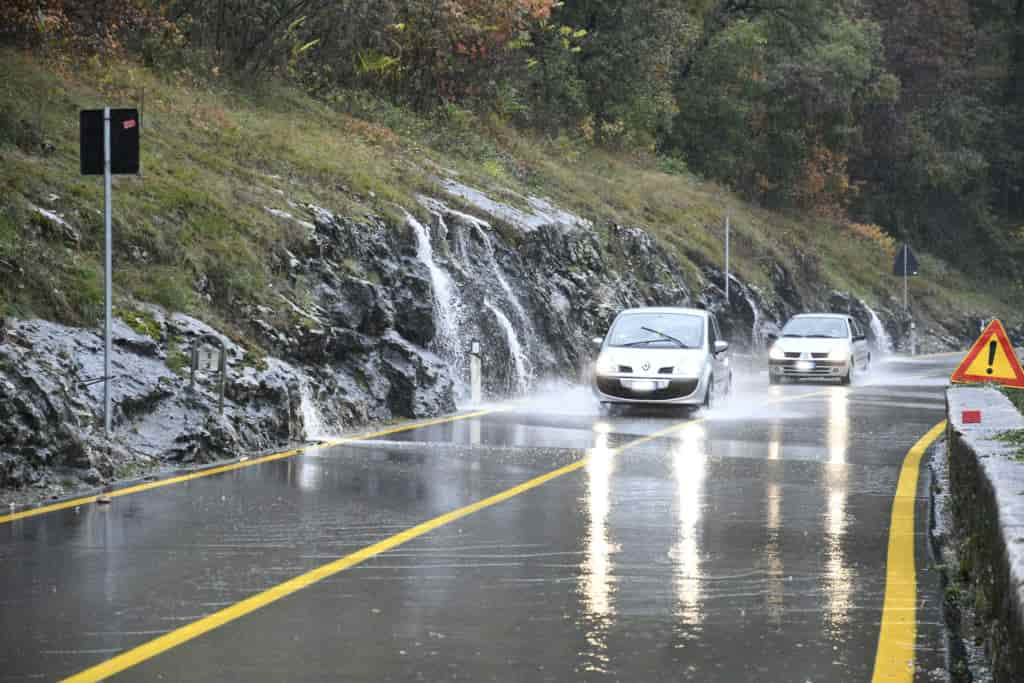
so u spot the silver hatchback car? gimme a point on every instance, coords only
(673, 356)
(819, 346)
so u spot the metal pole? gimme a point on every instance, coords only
(107, 192)
(223, 367)
(906, 304)
(727, 230)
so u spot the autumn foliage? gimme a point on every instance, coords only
(908, 114)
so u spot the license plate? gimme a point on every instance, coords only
(804, 365)
(640, 386)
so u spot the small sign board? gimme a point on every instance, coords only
(208, 358)
(124, 141)
(905, 264)
(991, 359)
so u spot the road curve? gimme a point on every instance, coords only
(749, 543)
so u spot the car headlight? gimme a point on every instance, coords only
(776, 353)
(838, 354)
(605, 366)
(692, 368)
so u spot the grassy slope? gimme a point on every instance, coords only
(215, 156)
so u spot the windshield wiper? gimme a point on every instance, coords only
(822, 336)
(793, 335)
(666, 336)
(638, 342)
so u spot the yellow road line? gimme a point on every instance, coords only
(139, 488)
(894, 660)
(173, 639)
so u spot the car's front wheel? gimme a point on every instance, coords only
(847, 379)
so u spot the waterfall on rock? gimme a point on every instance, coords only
(883, 342)
(446, 299)
(313, 422)
(756, 338)
(520, 362)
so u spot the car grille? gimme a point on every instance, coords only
(821, 368)
(819, 356)
(666, 370)
(790, 354)
(626, 368)
(677, 388)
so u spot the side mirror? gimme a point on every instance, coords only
(721, 346)
(771, 339)
(598, 341)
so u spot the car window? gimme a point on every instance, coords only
(658, 330)
(815, 326)
(714, 326)
(712, 331)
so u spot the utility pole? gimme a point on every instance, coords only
(905, 265)
(906, 302)
(727, 231)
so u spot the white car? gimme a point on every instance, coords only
(819, 346)
(673, 356)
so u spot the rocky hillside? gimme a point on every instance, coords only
(340, 305)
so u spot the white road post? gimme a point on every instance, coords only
(475, 374)
(107, 199)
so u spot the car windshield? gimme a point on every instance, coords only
(829, 328)
(658, 330)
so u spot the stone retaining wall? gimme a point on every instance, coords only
(987, 486)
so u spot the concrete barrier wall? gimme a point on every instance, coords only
(987, 487)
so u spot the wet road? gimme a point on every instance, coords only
(745, 544)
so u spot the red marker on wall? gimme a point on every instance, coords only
(971, 417)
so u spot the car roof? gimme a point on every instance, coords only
(666, 309)
(836, 316)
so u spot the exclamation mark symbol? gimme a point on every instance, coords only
(991, 355)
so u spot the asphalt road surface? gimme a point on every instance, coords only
(747, 543)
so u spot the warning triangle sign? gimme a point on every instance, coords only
(991, 359)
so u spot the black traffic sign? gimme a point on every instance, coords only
(124, 141)
(905, 264)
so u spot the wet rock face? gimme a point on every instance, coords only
(384, 334)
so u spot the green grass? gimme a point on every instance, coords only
(1016, 397)
(1016, 439)
(192, 233)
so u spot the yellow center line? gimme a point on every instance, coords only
(182, 635)
(139, 488)
(897, 637)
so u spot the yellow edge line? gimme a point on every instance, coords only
(894, 660)
(213, 621)
(139, 488)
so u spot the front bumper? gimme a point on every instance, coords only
(676, 390)
(809, 369)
